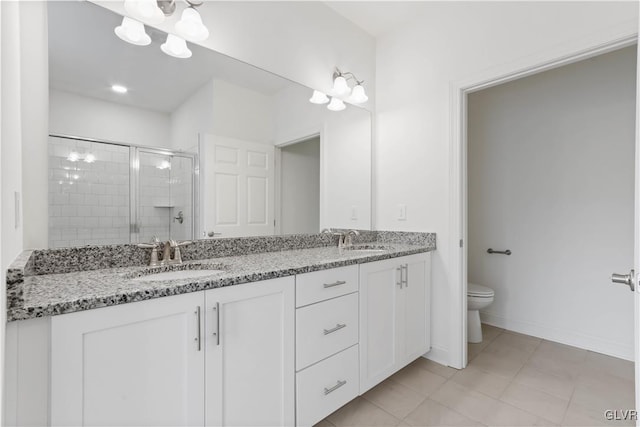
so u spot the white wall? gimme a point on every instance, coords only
(300, 186)
(417, 64)
(76, 115)
(551, 177)
(302, 41)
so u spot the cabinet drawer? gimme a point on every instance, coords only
(326, 386)
(325, 284)
(325, 328)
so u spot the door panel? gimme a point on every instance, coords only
(416, 316)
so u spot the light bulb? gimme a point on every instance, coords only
(132, 32)
(336, 105)
(190, 26)
(358, 96)
(318, 98)
(119, 89)
(144, 10)
(340, 86)
(89, 158)
(176, 47)
(73, 156)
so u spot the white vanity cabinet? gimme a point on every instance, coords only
(327, 328)
(152, 363)
(132, 364)
(249, 350)
(394, 315)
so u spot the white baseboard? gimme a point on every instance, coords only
(587, 342)
(438, 354)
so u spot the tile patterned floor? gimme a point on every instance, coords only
(511, 380)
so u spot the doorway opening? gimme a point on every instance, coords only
(298, 186)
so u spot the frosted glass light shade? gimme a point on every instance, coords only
(132, 32)
(358, 96)
(340, 86)
(190, 26)
(336, 105)
(318, 98)
(144, 10)
(176, 47)
(89, 158)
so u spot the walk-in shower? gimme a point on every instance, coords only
(108, 193)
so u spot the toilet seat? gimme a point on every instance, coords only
(475, 290)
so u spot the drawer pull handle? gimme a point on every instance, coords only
(337, 328)
(331, 285)
(334, 388)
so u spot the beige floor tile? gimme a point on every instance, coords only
(436, 368)
(490, 332)
(578, 415)
(554, 385)
(559, 367)
(418, 379)
(500, 359)
(475, 349)
(361, 412)
(431, 413)
(561, 352)
(596, 362)
(599, 392)
(467, 402)
(324, 423)
(507, 415)
(395, 398)
(478, 380)
(537, 402)
(522, 342)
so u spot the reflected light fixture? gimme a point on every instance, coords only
(176, 47)
(318, 98)
(140, 12)
(341, 92)
(336, 104)
(132, 31)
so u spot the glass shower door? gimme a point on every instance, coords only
(164, 187)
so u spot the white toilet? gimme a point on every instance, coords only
(478, 297)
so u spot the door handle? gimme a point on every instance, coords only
(625, 279)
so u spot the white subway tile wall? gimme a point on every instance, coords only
(88, 193)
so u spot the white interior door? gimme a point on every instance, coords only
(636, 246)
(238, 187)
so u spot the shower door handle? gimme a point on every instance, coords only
(625, 279)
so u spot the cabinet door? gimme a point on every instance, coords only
(132, 364)
(250, 350)
(379, 307)
(416, 318)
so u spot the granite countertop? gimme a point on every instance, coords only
(31, 296)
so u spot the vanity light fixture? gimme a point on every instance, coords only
(74, 156)
(176, 47)
(340, 91)
(189, 27)
(336, 104)
(132, 31)
(318, 98)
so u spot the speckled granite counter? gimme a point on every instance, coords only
(31, 295)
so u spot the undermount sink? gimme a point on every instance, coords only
(367, 248)
(176, 272)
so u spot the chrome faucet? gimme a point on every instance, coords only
(349, 235)
(154, 245)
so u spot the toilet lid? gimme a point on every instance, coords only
(475, 290)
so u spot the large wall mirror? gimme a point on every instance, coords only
(200, 147)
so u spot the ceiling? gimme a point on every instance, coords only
(379, 17)
(86, 58)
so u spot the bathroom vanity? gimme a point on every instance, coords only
(283, 337)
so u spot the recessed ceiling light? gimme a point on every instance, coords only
(119, 89)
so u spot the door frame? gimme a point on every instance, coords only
(300, 136)
(621, 36)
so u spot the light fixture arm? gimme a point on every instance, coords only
(347, 75)
(168, 7)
